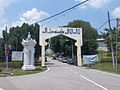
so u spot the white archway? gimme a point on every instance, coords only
(48, 32)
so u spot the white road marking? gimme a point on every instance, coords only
(90, 80)
(47, 69)
(94, 82)
(107, 73)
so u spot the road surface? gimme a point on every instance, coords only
(61, 76)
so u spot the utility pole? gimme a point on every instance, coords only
(6, 49)
(117, 27)
(111, 44)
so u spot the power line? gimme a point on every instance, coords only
(102, 25)
(59, 18)
(63, 11)
(105, 24)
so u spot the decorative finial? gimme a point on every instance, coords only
(29, 36)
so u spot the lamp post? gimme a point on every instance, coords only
(72, 50)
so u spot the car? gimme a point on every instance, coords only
(64, 60)
(70, 61)
(54, 56)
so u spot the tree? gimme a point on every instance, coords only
(106, 36)
(16, 34)
(89, 36)
(89, 39)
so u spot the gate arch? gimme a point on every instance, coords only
(49, 32)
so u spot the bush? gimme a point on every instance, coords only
(12, 65)
(15, 64)
(107, 59)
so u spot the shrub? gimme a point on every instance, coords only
(15, 64)
(11, 65)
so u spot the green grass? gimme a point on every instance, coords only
(15, 69)
(17, 72)
(106, 67)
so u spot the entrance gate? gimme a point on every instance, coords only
(48, 32)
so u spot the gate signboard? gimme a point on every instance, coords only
(49, 32)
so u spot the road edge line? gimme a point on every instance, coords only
(47, 69)
(108, 73)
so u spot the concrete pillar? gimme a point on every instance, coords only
(79, 59)
(43, 43)
(43, 55)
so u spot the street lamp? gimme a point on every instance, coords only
(72, 49)
(49, 51)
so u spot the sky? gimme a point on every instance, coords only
(15, 12)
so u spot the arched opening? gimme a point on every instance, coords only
(74, 33)
(62, 48)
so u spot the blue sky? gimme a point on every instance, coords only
(15, 12)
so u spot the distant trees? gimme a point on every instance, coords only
(108, 40)
(16, 34)
(59, 44)
(89, 38)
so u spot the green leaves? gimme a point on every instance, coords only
(89, 39)
(16, 34)
(89, 36)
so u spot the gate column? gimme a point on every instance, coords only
(43, 52)
(79, 59)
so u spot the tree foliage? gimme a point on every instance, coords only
(59, 44)
(110, 36)
(89, 36)
(16, 34)
(89, 39)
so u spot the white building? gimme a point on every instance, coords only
(102, 45)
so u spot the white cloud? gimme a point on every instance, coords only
(116, 12)
(30, 16)
(95, 3)
(4, 4)
(1, 30)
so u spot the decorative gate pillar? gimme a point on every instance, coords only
(28, 51)
(43, 52)
(79, 59)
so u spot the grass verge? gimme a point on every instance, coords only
(17, 72)
(15, 69)
(106, 67)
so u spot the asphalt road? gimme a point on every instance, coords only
(61, 76)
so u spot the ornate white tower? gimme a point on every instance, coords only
(28, 51)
